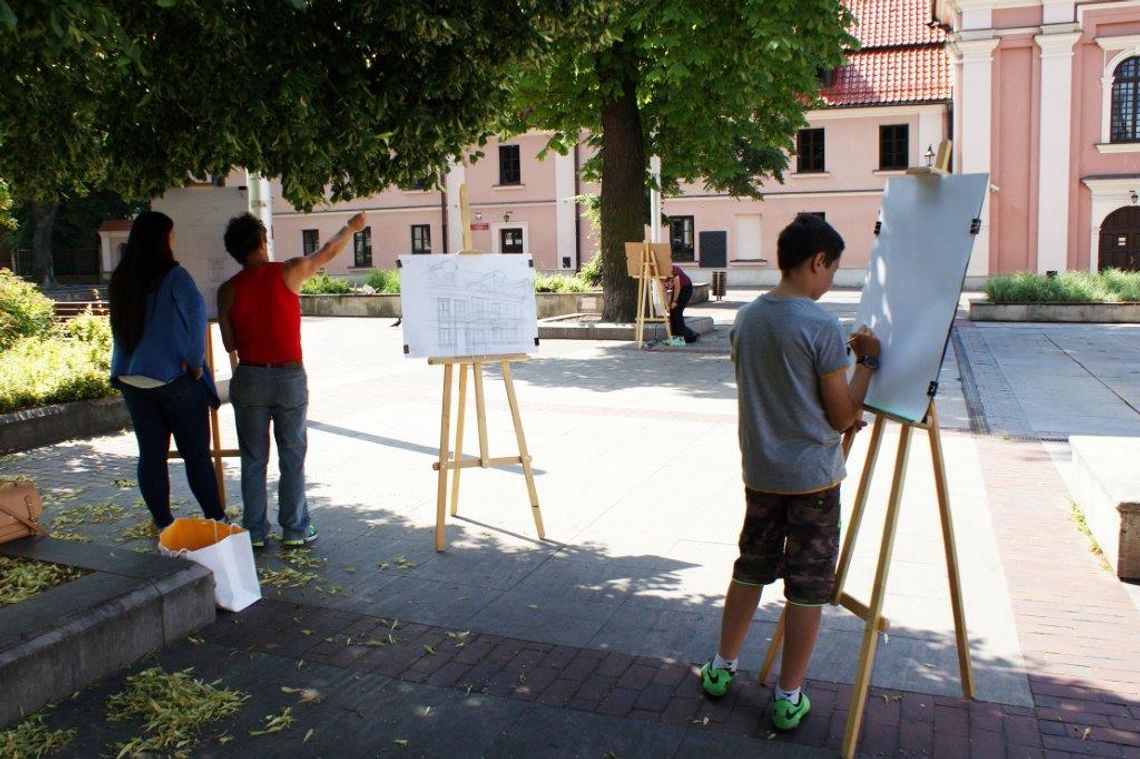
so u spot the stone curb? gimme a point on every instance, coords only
(66, 638)
(1081, 313)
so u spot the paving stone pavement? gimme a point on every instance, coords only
(584, 644)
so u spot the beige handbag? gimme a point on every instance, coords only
(20, 509)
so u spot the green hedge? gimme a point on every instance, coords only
(387, 281)
(72, 364)
(1110, 286)
(24, 310)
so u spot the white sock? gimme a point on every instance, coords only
(719, 662)
(787, 695)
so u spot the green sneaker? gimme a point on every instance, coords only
(258, 543)
(786, 715)
(715, 681)
(309, 537)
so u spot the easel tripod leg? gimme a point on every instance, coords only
(461, 415)
(878, 595)
(441, 488)
(524, 455)
(480, 412)
(852, 531)
(965, 669)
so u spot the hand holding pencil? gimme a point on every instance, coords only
(864, 343)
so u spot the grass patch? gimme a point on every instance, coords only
(1109, 286)
(385, 281)
(1077, 517)
(323, 284)
(560, 283)
(21, 579)
(31, 738)
(174, 708)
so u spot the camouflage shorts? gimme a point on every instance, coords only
(791, 536)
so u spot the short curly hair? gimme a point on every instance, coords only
(244, 235)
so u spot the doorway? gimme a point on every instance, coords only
(1120, 240)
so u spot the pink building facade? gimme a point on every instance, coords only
(1044, 96)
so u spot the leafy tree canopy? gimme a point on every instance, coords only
(721, 85)
(338, 98)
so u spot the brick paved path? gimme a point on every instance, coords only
(500, 684)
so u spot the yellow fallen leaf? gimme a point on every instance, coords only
(401, 742)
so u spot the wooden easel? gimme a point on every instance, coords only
(456, 462)
(643, 265)
(872, 613)
(217, 452)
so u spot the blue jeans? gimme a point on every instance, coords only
(260, 396)
(179, 408)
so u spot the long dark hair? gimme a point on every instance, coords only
(146, 261)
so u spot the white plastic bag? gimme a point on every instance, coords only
(224, 549)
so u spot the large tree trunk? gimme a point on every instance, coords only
(623, 188)
(43, 217)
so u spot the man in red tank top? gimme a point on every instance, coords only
(259, 312)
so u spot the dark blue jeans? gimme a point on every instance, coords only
(179, 408)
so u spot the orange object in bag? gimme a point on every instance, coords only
(20, 509)
(222, 548)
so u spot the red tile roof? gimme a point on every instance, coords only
(890, 23)
(902, 58)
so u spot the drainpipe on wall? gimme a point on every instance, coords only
(443, 216)
(577, 211)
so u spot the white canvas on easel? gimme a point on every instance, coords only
(468, 305)
(914, 281)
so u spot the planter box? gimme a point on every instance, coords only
(1106, 313)
(1107, 491)
(46, 425)
(549, 304)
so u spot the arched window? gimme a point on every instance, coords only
(1126, 101)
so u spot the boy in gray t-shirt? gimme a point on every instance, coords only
(794, 401)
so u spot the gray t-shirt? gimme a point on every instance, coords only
(781, 347)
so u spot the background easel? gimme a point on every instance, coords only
(872, 612)
(456, 462)
(646, 262)
(217, 452)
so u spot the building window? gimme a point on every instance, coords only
(809, 151)
(362, 247)
(310, 241)
(421, 238)
(681, 237)
(894, 147)
(511, 240)
(1125, 92)
(510, 171)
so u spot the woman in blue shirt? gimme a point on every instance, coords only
(158, 321)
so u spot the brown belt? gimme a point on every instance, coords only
(282, 365)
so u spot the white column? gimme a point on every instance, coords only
(261, 205)
(456, 175)
(565, 220)
(974, 140)
(931, 131)
(1053, 159)
(655, 200)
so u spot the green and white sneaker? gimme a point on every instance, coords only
(715, 681)
(300, 542)
(786, 715)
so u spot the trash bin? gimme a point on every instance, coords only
(718, 284)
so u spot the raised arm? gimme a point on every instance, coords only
(298, 269)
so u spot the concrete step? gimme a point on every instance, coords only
(66, 638)
(1107, 490)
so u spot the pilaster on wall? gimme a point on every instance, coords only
(1055, 147)
(565, 209)
(976, 58)
(261, 206)
(456, 175)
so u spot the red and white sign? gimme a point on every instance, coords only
(477, 225)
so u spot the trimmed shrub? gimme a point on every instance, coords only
(35, 372)
(1110, 286)
(323, 284)
(24, 310)
(384, 281)
(559, 283)
(591, 273)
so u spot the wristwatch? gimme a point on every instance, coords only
(870, 362)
